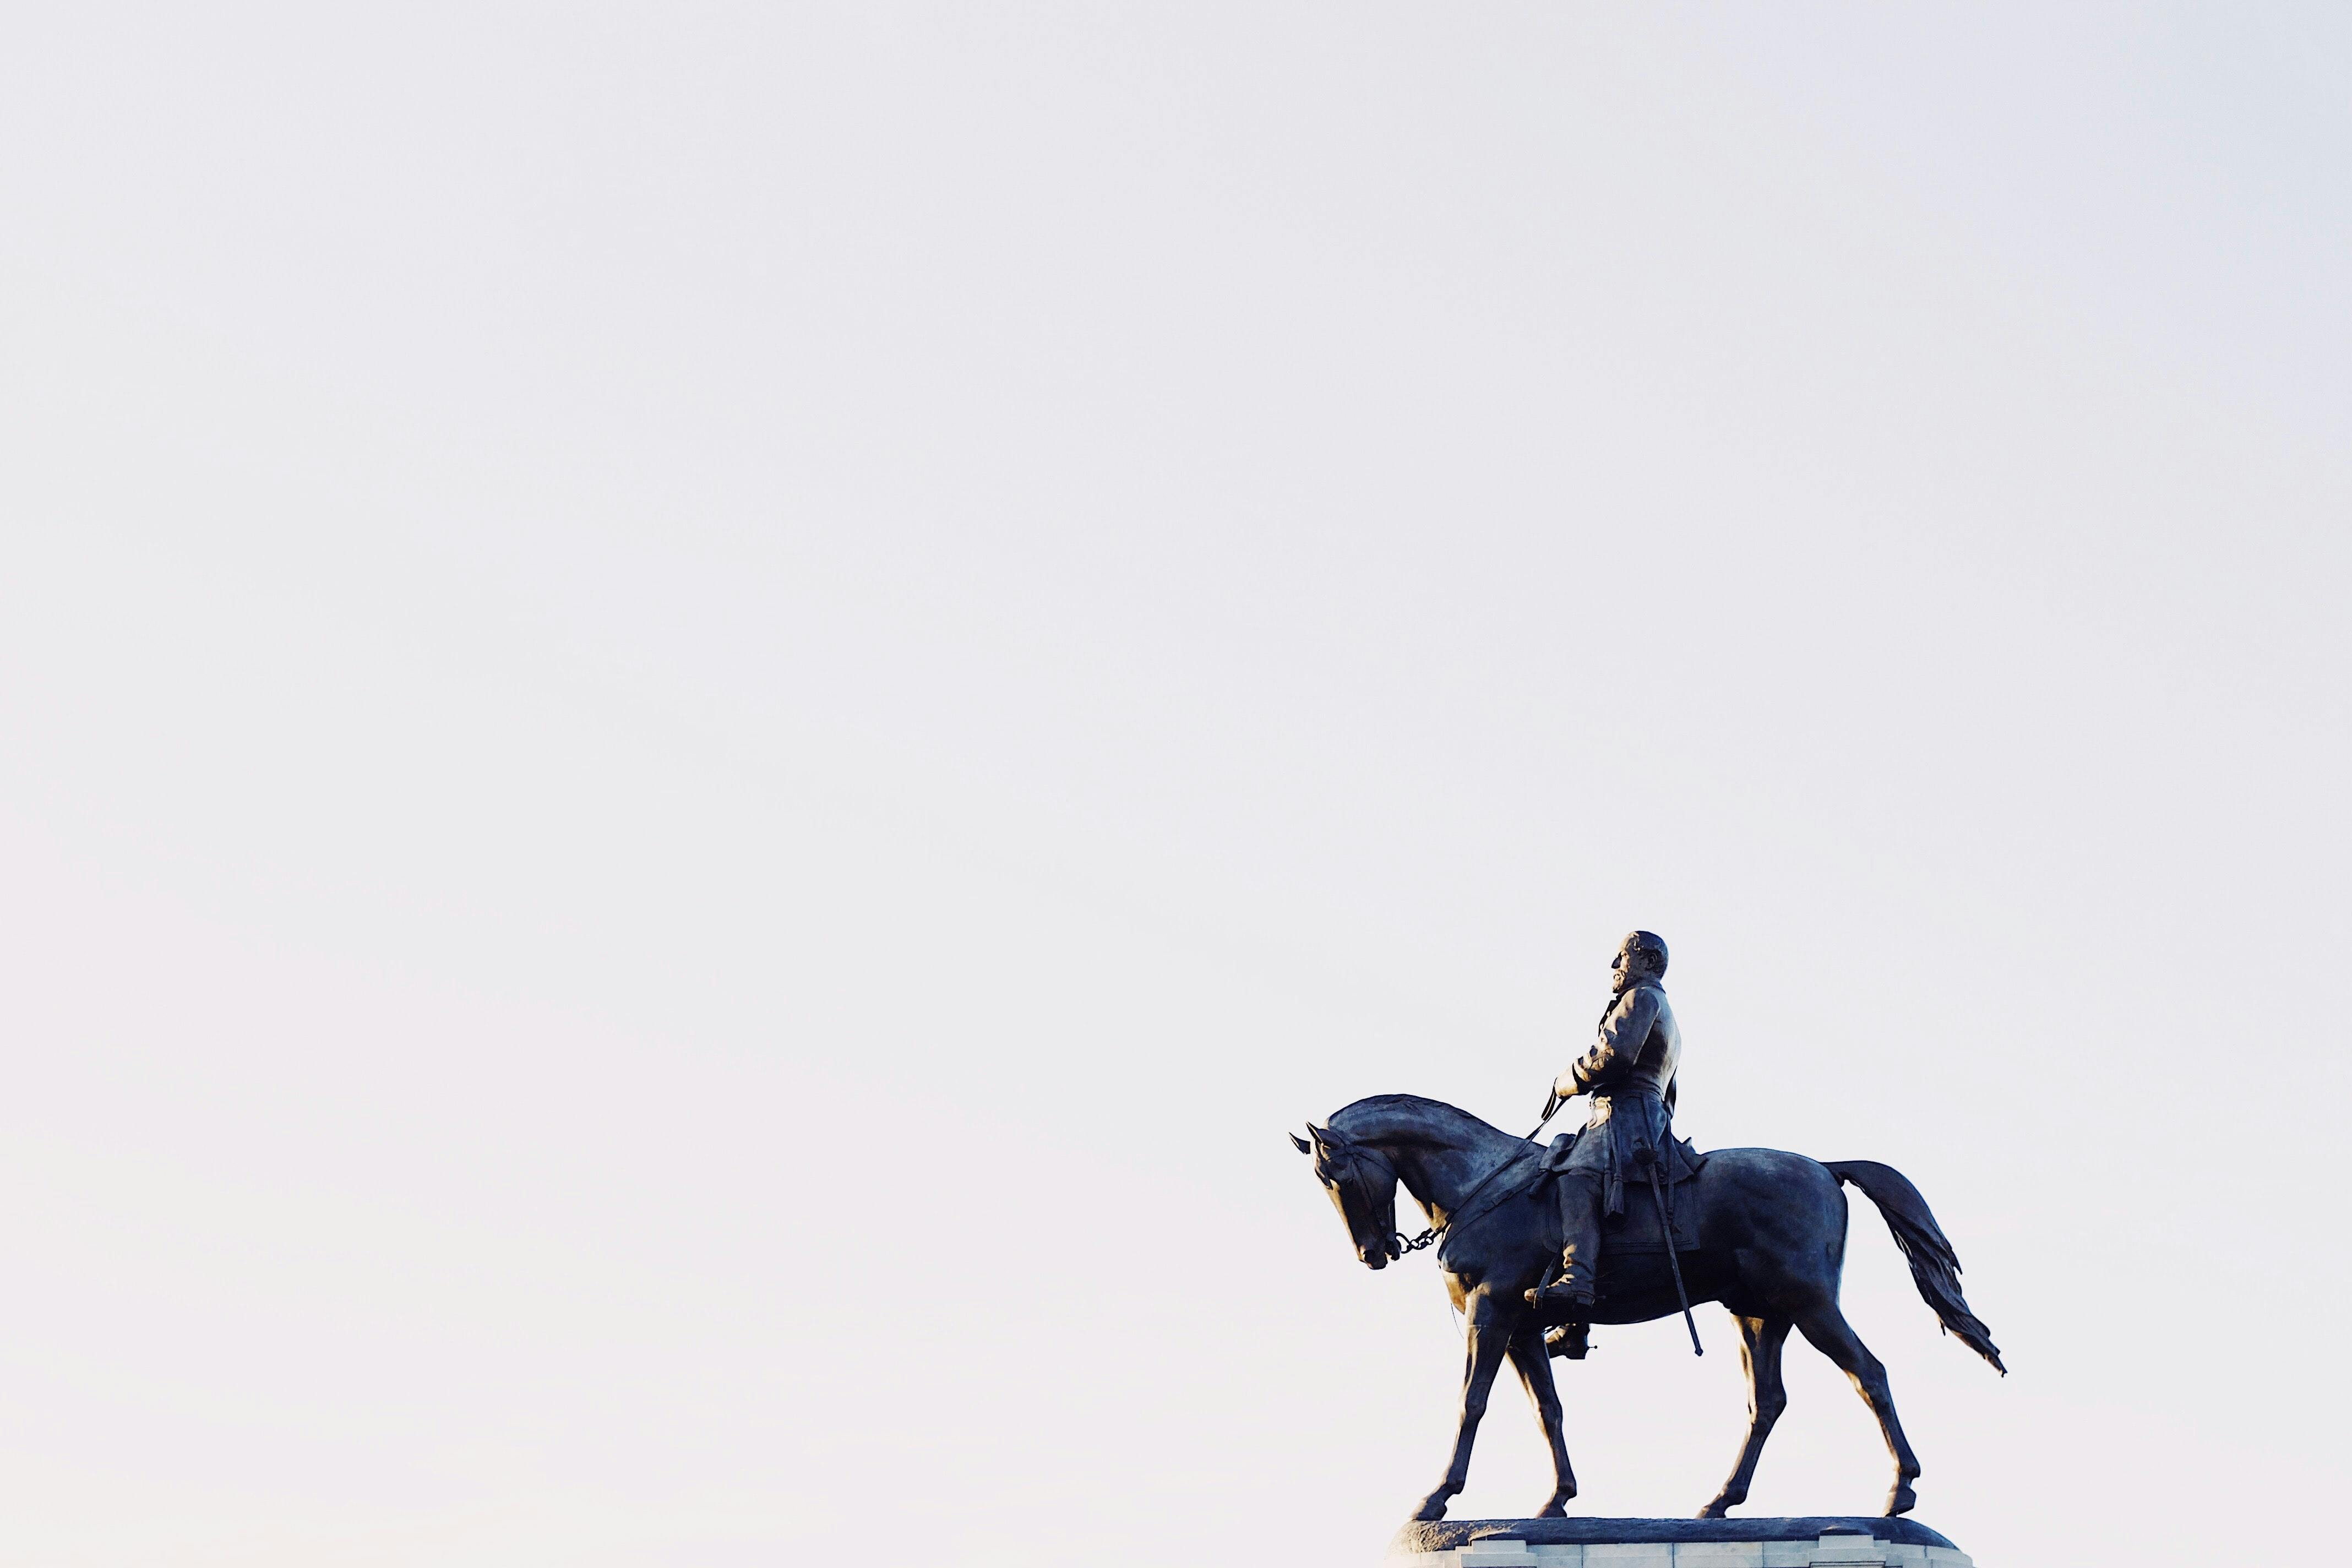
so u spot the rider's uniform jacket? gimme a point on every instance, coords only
(1639, 1048)
(1630, 1074)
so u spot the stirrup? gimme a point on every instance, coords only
(1572, 1340)
(1559, 1302)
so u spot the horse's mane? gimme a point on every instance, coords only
(1400, 1111)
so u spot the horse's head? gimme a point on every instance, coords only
(1362, 1184)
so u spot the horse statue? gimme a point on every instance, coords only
(1762, 1231)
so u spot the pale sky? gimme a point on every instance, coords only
(712, 715)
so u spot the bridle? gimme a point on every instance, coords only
(1397, 1244)
(1463, 1213)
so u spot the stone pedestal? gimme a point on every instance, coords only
(1817, 1542)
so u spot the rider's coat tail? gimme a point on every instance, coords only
(1935, 1267)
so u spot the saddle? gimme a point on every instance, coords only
(1682, 1161)
(1635, 1229)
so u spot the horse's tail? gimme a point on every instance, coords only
(1935, 1267)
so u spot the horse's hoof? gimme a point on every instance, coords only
(1718, 1508)
(1432, 1510)
(1902, 1500)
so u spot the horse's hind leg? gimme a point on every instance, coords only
(1533, 1363)
(1761, 1340)
(1834, 1338)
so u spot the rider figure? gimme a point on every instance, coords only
(1630, 1074)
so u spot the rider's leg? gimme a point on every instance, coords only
(1580, 1229)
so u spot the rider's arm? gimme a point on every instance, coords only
(1622, 1034)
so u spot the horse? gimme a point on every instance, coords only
(1768, 1230)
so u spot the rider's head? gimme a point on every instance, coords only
(1641, 956)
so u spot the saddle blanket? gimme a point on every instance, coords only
(1636, 1230)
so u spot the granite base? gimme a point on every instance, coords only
(1832, 1542)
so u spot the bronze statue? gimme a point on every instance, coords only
(1762, 1231)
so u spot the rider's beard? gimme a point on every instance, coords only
(1624, 980)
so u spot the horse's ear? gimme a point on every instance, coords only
(1304, 1146)
(1326, 1136)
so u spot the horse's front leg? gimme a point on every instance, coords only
(1490, 1331)
(1533, 1363)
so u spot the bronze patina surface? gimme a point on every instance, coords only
(1759, 1230)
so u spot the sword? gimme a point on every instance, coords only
(1673, 1262)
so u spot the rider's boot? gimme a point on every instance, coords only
(1574, 1340)
(1568, 1298)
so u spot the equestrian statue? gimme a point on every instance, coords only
(1622, 1223)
